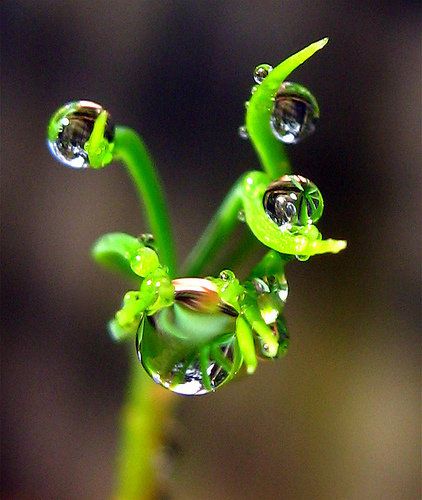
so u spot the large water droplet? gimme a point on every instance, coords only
(293, 200)
(294, 114)
(70, 130)
(261, 72)
(187, 350)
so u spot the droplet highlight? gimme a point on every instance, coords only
(294, 114)
(243, 133)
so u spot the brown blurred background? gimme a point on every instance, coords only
(338, 417)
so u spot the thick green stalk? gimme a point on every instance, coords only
(143, 418)
(130, 149)
(147, 405)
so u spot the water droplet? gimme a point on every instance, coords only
(241, 216)
(254, 89)
(227, 275)
(302, 258)
(147, 239)
(246, 104)
(293, 200)
(294, 114)
(243, 133)
(272, 294)
(261, 71)
(171, 352)
(70, 132)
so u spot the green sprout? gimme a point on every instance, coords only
(195, 333)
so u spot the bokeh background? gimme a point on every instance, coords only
(338, 417)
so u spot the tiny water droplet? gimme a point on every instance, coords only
(147, 239)
(302, 258)
(272, 293)
(246, 104)
(242, 132)
(254, 89)
(227, 275)
(261, 71)
(241, 216)
(293, 200)
(294, 114)
(70, 130)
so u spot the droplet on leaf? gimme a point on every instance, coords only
(293, 200)
(261, 71)
(72, 139)
(294, 114)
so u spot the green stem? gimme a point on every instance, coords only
(130, 149)
(147, 406)
(143, 419)
(217, 232)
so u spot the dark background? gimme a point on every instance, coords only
(338, 417)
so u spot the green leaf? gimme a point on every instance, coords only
(115, 251)
(269, 149)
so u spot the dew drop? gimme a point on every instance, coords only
(293, 200)
(70, 130)
(243, 133)
(241, 216)
(227, 275)
(294, 114)
(173, 360)
(261, 72)
(187, 350)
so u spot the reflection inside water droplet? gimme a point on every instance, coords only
(187, 350)
(70, 129)
(243, 133)
(261, 72)
(293, 200)
(294, 114)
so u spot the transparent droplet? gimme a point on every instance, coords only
(254, 89)
(272, 294)
(71, 129)
(171, 354)
(293, 200)
(294, 114)
(261, 71)
(302, 258)
(246, 104)
(227, 275)
(241, 216)
(187, 350)
(243, 133)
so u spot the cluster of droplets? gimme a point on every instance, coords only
(294, 113)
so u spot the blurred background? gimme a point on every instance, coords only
(338, 417)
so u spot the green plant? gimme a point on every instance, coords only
(194, 334)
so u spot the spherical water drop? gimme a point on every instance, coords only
(70, 132)
(293, 200)
(187, 350)
(241, 216)
(243, 133)
(261, 71)
(294, 114)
